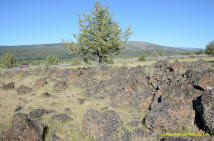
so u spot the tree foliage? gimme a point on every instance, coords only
(198, 52)
(50, 60)
(210, 48)
(142, 57)
(9, 60)
(100, 37)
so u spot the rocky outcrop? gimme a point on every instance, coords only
(102, 126)
(41, 82)
(202, 80)
(61, 85)
(172, 112)
(9, 86)
(171, 109)
(172, 98)
(25, 129)
(204, 107)
(23, 89)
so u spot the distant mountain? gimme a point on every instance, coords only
(135, 48)
(131, 49)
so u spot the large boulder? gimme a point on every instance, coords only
(41, 82)
(8, 86)
(25, 129)
(172, 111)
(23, 89)
(204, 107)
(202, 80)
(101, 125)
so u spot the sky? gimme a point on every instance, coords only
(176, 23)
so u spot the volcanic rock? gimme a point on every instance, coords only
(25, 129)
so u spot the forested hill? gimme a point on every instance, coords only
(131, 49)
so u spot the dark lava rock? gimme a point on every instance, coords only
(37, 113)
(126, 96)
(23, 89)
(25, 129)
(9, 86)
(55, 137)
(18, 108)
(177, 66)
(101, 126)
(61, 85)
(81, 101)
(46, 94)
(41, 82)
(173, 111)
(67, 110)
(61, 117)
(204, 107)
(202, 80)
(126, 136)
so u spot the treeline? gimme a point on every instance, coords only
(36, 52)
(209, 51)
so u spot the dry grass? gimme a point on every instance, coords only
(140, 63)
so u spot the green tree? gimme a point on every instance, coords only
(198, 52)
(100, 37)
(142, 57)
(210, 48)
(9, 60)
(50, 60)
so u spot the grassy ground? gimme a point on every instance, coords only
(59, 100)
(141, 63)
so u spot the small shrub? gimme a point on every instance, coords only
(50, 60)
(9, 60)
(142, 57)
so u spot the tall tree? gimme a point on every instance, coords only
(210, 48)
(100, 37)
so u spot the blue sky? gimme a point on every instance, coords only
(178, 23)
